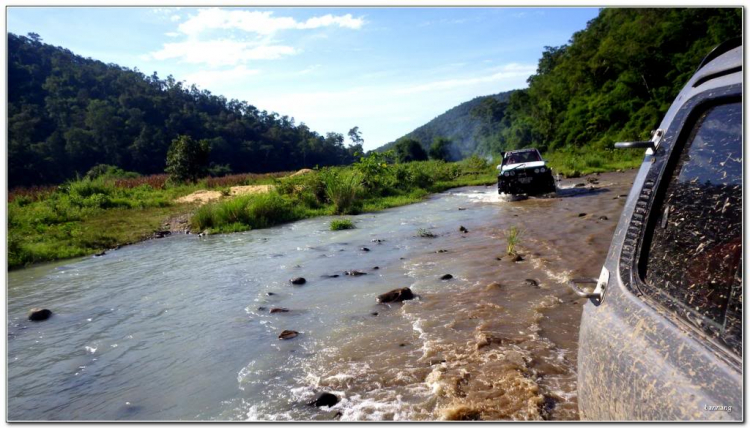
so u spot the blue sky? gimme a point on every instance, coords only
(386, 70)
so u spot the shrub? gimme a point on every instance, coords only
(512, 236)
(341, 224)
(424, 233)
(344, 190)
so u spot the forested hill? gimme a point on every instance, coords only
(613, 81)
(67, 114)
(458, 124)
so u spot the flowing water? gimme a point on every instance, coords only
(180, 328)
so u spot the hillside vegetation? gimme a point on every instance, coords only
(67, 114)
(613, 81)
(463, 128)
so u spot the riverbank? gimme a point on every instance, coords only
(89, 217)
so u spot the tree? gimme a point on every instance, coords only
(440, 149)
(187, 159)
(356, 136)
(409, 150)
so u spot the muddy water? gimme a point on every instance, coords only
(180, 328)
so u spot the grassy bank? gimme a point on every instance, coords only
(578, 162)
(90, 215)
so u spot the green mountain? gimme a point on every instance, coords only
(459, 124)
(67, 114)
(613, 81)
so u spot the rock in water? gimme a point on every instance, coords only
(288, 334)
(446, 277)
(463, 229)
(365, 249)
(532, 282)
(517, 258)
(298, 281)
(325, 399)
(278, 310)
(38, 314)
(604, 217)
(493, 286)
(582, 215)
(355, 273)
(397, 295)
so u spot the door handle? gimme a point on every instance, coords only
(599, 290)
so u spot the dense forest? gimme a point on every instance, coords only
(613, 81)
(465, 125)
(67, 114)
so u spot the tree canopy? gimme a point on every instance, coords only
(67, 114)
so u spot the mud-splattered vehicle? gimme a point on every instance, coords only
(524, 172)
(661, 335)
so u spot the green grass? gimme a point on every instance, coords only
(513, 237)
(341, 224)
(576, 162)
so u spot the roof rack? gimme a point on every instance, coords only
(720, 49)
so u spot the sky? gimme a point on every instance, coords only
(386, 70)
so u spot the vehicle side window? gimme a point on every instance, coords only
(695, 250)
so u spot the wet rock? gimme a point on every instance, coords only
(436, 361)
(337, 416)
(498, 258)
(401, 345)
(463, 229)
(376, 268)
(374, 314)
(493, 286)
(278, 310)
(397, 295)
(441, 251)
(548, 405)
(378, 241)
(461, 208)
(39, 314)
(288, 334)
(325, 399)
(270, 294)
(355, 273)
(100, 254)
(161, 233)
(517, 258)
(446, 277)
(365, 249)
(330, 276)
(298, 280)
(532, 282)
(582, 215)
(580, 185)
(603, 218)
(262, 308)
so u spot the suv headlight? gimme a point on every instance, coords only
(543, 169)
(536, 171)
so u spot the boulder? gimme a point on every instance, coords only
(288, 334)
(355, 273)
(397, 295)
(582, 215)
(325, 399)
(376, 268)
(39, 314)
(532, 282)
(493, 286)
(603, 218)
(365, 249)
(278, 310)
(447, 276)
(298, 281)
(463, 229)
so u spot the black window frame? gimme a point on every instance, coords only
(634, 252)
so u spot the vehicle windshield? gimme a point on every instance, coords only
(522, 157)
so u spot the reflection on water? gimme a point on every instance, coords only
(181, 329)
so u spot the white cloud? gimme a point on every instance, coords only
(216, 53)
(175, 18)
(260, 22)
(206, 78)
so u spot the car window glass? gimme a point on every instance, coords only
(696, 246)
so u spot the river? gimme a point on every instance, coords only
(180, 328)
